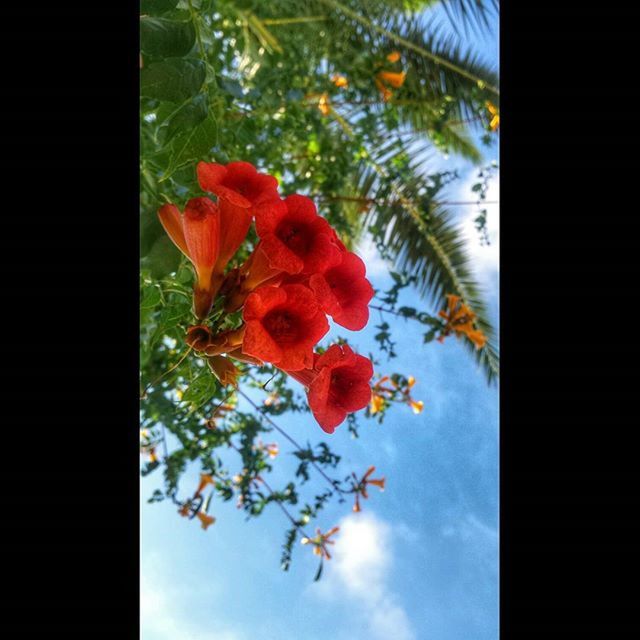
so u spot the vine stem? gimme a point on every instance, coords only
(196, 26)
(280, 21)
(293, 521)
(383, 202)
(290, 439)
(167, 372)
(382, 309)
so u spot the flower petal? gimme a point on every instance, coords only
(171, 220)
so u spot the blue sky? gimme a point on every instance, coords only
(420, 561)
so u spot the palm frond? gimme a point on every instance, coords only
(421, 238)
(470, 14)
(430, 80)
(389, 29)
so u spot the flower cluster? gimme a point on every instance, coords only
(320, 542)
(394, 389)
(298, 274)
(148, 447)
(494, 114)
(193, 507)
(387, 80)
(460, 320)
(271, 449)
(360, 486)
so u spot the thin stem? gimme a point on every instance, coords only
(196, 26)
(164, 441)
(396, 313)
(279, 21)
(179, 291)
(333, 198)
(222, 402)
(167, 372)
(478, 202)
(290, 439)
(293, 521)
(382, 309)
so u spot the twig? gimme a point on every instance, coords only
(167, 372)
(293, 521)
(279, 21)
(290, 439)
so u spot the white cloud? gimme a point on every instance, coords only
(359, 569)
(167, 614)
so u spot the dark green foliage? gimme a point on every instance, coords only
(173, 80)
(163, 38)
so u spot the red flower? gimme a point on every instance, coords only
(344, 292)
(238, 183)
(240, 190)
(196, 234)
(283, 324)
(171, 220)
(337, 385)
(295, 238)
(255, 271)
(234, 226)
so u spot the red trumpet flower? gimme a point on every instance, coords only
(240, 190)
(338, 384)
(283, 324)
(344, 292)
(238, 183)
(197, 235)
(234, 226)
(255, 271)
(295, 238)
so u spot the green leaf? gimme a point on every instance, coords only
(201, 390)
(150, 298)
(163, 258)
(172, 80)
(194, 145)
(188, 116)
(166, 38)
(150, 231)
(173, 314)
(156, 7)
(428, 337)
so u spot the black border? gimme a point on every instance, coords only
(70, 456)
(568, 470)
(70, 442)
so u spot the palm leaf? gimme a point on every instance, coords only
(471, 14)
(433, 81)
(421, 238)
